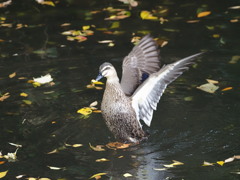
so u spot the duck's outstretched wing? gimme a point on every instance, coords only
(142, 61)
(148, 94)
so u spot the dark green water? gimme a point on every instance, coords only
(203, 129)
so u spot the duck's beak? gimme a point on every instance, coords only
(100, 76)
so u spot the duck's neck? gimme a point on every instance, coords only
(113, 86)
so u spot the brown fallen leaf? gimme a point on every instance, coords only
(4, 96)
(117, 145)
(237, 157)
(5, 4)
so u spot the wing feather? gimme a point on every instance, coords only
(144, 58)
(148, 94)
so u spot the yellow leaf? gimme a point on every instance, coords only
(12, 75)
(49, 3)
(203, 14)
(227, 89)
(208, 87)
(23, 94)
(177, 163)
(86, 27)
(44, 179)
(216, 35)
(77, 145)
(95, 175)
(102, 160)
(212, 81)
(28, 102)
(53, 151)
(221, 163)
(85, 111)
(36, 84)
(205, 163)
(96, 82)
(147, 15)
(3, 174)
(97, 148)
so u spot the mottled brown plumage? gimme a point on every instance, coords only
(125, 103)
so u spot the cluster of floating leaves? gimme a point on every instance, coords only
(211, 86)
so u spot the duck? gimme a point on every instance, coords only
(128, 103)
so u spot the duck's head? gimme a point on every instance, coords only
(106, 70)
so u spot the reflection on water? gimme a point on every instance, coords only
(206, 128)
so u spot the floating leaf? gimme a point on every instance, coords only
(168, 165)
(95, 103)
(234, 7)
(117, 145)
(12, 75)
(49, 3)
(160, 169)
(102, 160)
(2, 162)
(97, 82)
(221, 163)
(53, 151)
(127, 175)
(115, 25)
(203, 14)
(177, 163)
(55, 168)
(20, 176)
(228, 160)
(5, 4)
(23, 94)
(234, 59)
(227, 89)
(4, 96)
(43, 79)
(96, 175)
(212, 81)
(28, 102)
(147, 15)
(74, 145)
(208, 87)
(3, 174)
(205, 163)
(16, 145)
(86, 27)
(237, 157)
(97, 148)
(85, 111)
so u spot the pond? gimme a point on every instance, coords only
(197, 128)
